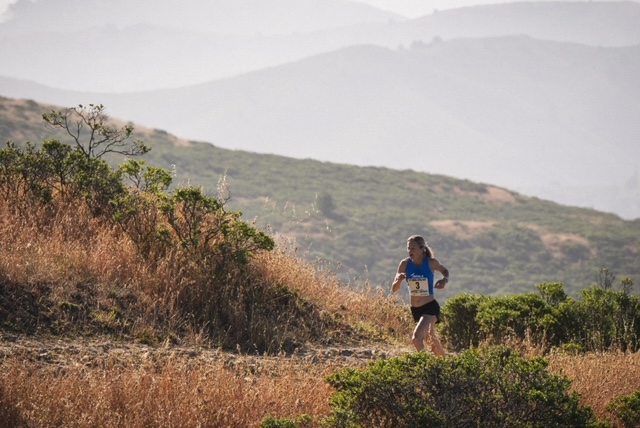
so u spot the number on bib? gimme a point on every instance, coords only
(418, 287)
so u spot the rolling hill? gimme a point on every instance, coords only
(356, 219)
(549, 119)
(590, 23)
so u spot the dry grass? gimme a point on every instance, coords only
(82, 384)
(52, 260)
(66, 259)
(69, 258)
(151, 388)
(599, 377)
(51, 383)
(383, 317)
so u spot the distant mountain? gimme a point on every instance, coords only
(240, 17)
(139, 46)
(592, 23)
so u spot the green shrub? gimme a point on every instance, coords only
(301, 422)
(461, 329)
(602, 320)
(572, 349)
(517, 316)
(489, 387)
(27, 175)
(553, 293)
(627, 409)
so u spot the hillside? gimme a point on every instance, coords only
(152, 45)
(494, 241)
(135, 306)
(498, 111)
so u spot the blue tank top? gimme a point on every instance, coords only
(419, 272)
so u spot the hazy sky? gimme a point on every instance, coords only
(408, 8)
(417, 8)
(4, 4)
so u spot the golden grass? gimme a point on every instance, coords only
(209, 390)
(82, 384)
(66, 257)
(369, 307)
(116, 383)
(599, 377)
(71, 259)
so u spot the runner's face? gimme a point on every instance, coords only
(414, 250)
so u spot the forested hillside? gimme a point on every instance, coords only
(494, 241)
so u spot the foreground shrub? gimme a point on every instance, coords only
(301, 422)
(627, 409)
(489, 387)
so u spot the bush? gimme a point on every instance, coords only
(183, 235)
(489, 387)
(301, 422)
(627, 409)
(461, 329)
(519, 316)
(56, 173)
(602, 320)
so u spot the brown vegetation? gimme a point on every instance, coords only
(81, 273)
(81, 384)
(93, 336)
(599, 377)
(93, 333)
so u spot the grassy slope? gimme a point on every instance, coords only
(106, 382)
(494, 241)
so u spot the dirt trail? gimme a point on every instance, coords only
(94, 353)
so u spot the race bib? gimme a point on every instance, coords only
(418, 286)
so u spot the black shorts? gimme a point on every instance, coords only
(431, 308)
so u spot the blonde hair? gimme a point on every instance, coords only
(422, 244)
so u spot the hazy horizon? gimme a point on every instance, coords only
(408, 8)
(418, 8)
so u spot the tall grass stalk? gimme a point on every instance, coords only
(173, 393)
(599, 377)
